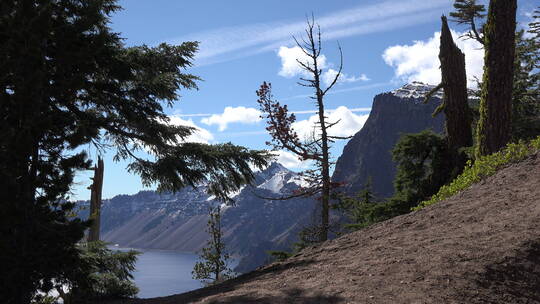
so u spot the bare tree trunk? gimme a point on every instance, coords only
(95, 201)
(494, 127)
(325, 170)
(455, 100)
(325, 163)
(284, 137)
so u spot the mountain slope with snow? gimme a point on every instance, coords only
(178, 221)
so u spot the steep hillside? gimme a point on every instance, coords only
(368, 153)
(480, 246)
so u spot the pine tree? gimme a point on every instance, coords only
(104, 274)
(317, 148)
(358, 209)
(213, 265)
(494, 126)
(526, 91)
(466, 11)
(67, 81)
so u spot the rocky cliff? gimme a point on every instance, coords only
(368, 153)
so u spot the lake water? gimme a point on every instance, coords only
(162, 273)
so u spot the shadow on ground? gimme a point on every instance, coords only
(290, 295)
(293, 295)
(515, 278)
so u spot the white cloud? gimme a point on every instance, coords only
(200, 135)
(228, 43)
(233, 115)
(329, 75)
(290, 160)
(349, 123)
(419, 61)
(291, 68)
(289, 64)
(339, 91)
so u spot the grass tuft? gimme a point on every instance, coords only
(483, 167)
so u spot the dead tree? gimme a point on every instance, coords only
(317, 148)
(455, 100)
(95, 201)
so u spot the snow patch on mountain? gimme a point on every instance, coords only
(416, 89)
(276, 183)
(299, 181)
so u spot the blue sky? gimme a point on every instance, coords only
(243, 43)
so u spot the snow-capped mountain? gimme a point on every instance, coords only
(178, 221)
(368, 154)
(416, 90)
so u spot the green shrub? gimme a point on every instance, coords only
(105, 274)
(483, 167)
(279, 255)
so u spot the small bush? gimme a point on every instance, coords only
(278, 255)
(483, 167)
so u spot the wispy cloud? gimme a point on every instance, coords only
(253, 111)
(228, 43)
(338, 91)
(332, 110)
(291, 67)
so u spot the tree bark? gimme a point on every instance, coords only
(95, 202)
(494, 127)
(325, 163)
(456, 110)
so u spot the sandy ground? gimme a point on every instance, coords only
(480, 246)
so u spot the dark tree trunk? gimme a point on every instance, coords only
(325, 163)
(457, 112)
(494, 127)
(95, 202)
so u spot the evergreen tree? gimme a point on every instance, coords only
(526, 92)
(534, 26)
(466, 12)
(423, 166)
(359, 209)
(67, 81)
(213, 265)
(105, 274)
(317, 148)
(494, 127)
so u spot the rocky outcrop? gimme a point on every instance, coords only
(368, 153)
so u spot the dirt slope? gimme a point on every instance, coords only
(481, 246)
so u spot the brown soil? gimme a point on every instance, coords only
(480, 246)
